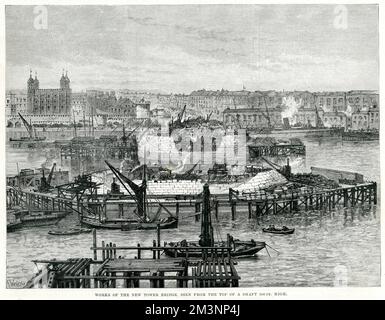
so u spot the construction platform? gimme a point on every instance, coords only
(262, 203)
(216, 269)
(277, 150)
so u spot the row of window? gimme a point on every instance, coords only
(253, 117)
(350, 99)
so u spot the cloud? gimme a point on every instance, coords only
(184, 48)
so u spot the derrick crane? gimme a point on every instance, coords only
(45, 183)
(188, 173)
(125, 137)
(181, 114)
(284, 170)
(209, 116)
(51, 174)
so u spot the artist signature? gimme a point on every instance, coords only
(15, 284)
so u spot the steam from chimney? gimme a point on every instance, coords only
(290, 108)
(348, 111)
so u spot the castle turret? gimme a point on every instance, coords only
(30, 92)
(67, 80)
(63, 81)
(36, 82)
(30, 83)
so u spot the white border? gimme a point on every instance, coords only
(294, 293)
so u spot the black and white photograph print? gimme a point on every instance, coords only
(192, 146)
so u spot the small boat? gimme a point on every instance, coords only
(31, 141)
(168, 223)
(29, 218)
(14, 225)
(238, 248)
(69, 232)
(274, 230)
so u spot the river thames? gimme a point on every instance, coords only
(327, 247)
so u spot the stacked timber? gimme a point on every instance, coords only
(314, 180)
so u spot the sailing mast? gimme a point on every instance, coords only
(84, 123)
(27, 126)
(207, 234)
(92, 121)
(139, 191)
(144, 192)
(73, 112)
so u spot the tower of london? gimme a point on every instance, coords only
(49, 101)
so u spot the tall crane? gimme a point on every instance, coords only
(209, 116)
(188, 173)
(284, 170)
(51, 174)
(45, 183)
(180, 115)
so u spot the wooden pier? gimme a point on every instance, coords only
(216, 268)
(36, 200)
(276, 150)
(262, 203)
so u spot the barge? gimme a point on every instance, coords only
(27, 218)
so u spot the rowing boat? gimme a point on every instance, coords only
(279, 230)
(69, 232)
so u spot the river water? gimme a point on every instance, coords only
(327, 249)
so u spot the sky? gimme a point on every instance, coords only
(178, 49)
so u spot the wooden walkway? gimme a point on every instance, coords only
(262, 203)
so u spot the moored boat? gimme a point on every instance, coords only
(69, 232)
(168, 223)
(237, 248)
(274, 230)
(14, 225)
(27, 218)
(129, 218)
(31, 141)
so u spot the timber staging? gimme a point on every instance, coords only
(273, 191)
(259, 202)
(262, 203)
(277, 150)
(215, 269)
